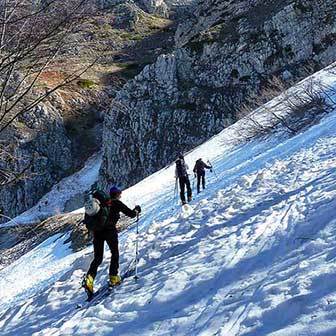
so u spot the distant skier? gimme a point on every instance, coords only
(108, 232)
(181, 173)
(199, 171)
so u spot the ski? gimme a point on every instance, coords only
(104, 290)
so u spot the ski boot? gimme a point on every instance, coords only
(87, 284)
(115, 280)
(189, 198)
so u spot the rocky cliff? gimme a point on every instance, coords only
(163, 8)
(39, 142)
(56, 138)
(226, 51)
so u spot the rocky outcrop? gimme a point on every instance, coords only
(66, 130)
(41, 146)
(158, 7)
(210, 13)
(168, 8)
(227, 51)
(163, 8)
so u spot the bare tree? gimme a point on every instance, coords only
(35, 36)
(295, 109)
(7, 176)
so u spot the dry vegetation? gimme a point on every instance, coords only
(296, 109)
(72, 56)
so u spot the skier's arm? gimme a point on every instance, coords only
(206, 166)
(127, 211)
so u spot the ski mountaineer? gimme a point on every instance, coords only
(110, 235)
(181, 173)
(199, 172)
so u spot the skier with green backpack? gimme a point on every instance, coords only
(102, 213)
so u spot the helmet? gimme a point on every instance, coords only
(115, 191)
(180, 156)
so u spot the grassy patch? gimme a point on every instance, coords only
(86, 83)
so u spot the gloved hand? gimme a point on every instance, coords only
(210, 170)
(137, 208)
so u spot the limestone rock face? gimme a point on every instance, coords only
(166, 8)
(226, 51)
(158, 7)
(163, 8)
(42, 146)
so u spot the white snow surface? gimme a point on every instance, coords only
(254, 254)
(53, 202)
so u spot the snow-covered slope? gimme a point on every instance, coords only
(54, 202)
(255, 256)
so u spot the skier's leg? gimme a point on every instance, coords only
(198, 182)
(189, 192)
(98, 248)
(182, 183)
(112, 241)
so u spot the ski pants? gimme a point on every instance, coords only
(200, 178)
(184, 182)
(111, 238)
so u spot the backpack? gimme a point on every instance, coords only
(199, 166)
(181, 168)
(96, 211)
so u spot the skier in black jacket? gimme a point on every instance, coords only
(181, 173)
(199, 171)
(110, 235)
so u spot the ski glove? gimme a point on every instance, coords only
(137, 208)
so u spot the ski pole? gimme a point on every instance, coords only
(175, 189)
(136, 248)
(213, 169)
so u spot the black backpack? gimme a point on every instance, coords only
(181, 168)
(97, 210)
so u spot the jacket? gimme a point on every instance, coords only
(200, 167)
(181, 168)
(116, 206)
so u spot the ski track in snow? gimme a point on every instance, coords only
(254, 256)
